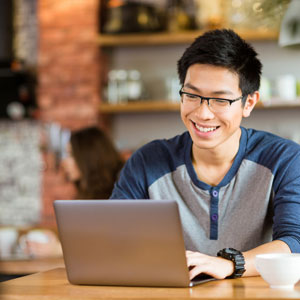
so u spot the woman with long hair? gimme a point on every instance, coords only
(92, 163)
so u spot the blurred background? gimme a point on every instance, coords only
(69, 64)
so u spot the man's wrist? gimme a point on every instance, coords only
(237, 258)
(227, 267)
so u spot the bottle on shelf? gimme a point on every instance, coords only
(173, 86)
(134, 85)
(112, 87)
(122, 91)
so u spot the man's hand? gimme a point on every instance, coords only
(216, 267)
(220, 268)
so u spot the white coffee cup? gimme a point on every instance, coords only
(280, 270)
(8, 240)
(34, 235)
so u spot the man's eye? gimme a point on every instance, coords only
(220, 101)
(191, 96)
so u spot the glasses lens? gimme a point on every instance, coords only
(190, 99)
(218, 105)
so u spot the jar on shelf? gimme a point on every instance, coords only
(134, 85)
(122, 76)
(209, 14)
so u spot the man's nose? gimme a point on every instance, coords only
(203, 110)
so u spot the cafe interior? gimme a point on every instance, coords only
(71, 64)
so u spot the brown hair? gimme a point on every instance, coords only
(98, 161)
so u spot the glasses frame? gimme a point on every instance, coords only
(181, 92)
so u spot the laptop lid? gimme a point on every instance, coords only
(122, 242)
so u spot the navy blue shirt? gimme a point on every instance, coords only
(257, 201)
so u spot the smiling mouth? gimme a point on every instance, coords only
(205, 129)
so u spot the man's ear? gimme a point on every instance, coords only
(250, 103)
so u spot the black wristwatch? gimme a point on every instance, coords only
(237, 258)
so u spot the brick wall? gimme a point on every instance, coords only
(68, 78)
(68, 61)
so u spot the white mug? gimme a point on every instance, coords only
(8, 240)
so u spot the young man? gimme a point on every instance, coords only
(235, 187)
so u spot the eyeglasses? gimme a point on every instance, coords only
(215, 104)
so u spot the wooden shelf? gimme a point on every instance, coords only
(168, 38)
(165, 106)
(163, 38)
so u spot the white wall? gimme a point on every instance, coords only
(156, 63)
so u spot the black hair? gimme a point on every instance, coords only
(224, 48)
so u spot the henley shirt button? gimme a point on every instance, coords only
(215, 194)
(214, 217)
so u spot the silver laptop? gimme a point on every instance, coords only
(123, 243)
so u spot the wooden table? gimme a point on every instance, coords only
(29, 266)
(53, 285)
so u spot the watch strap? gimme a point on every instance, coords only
(237, 258)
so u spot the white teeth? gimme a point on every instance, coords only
(205, 129)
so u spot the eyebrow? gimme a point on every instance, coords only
(220, 92)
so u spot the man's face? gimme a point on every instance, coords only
(208, 129)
